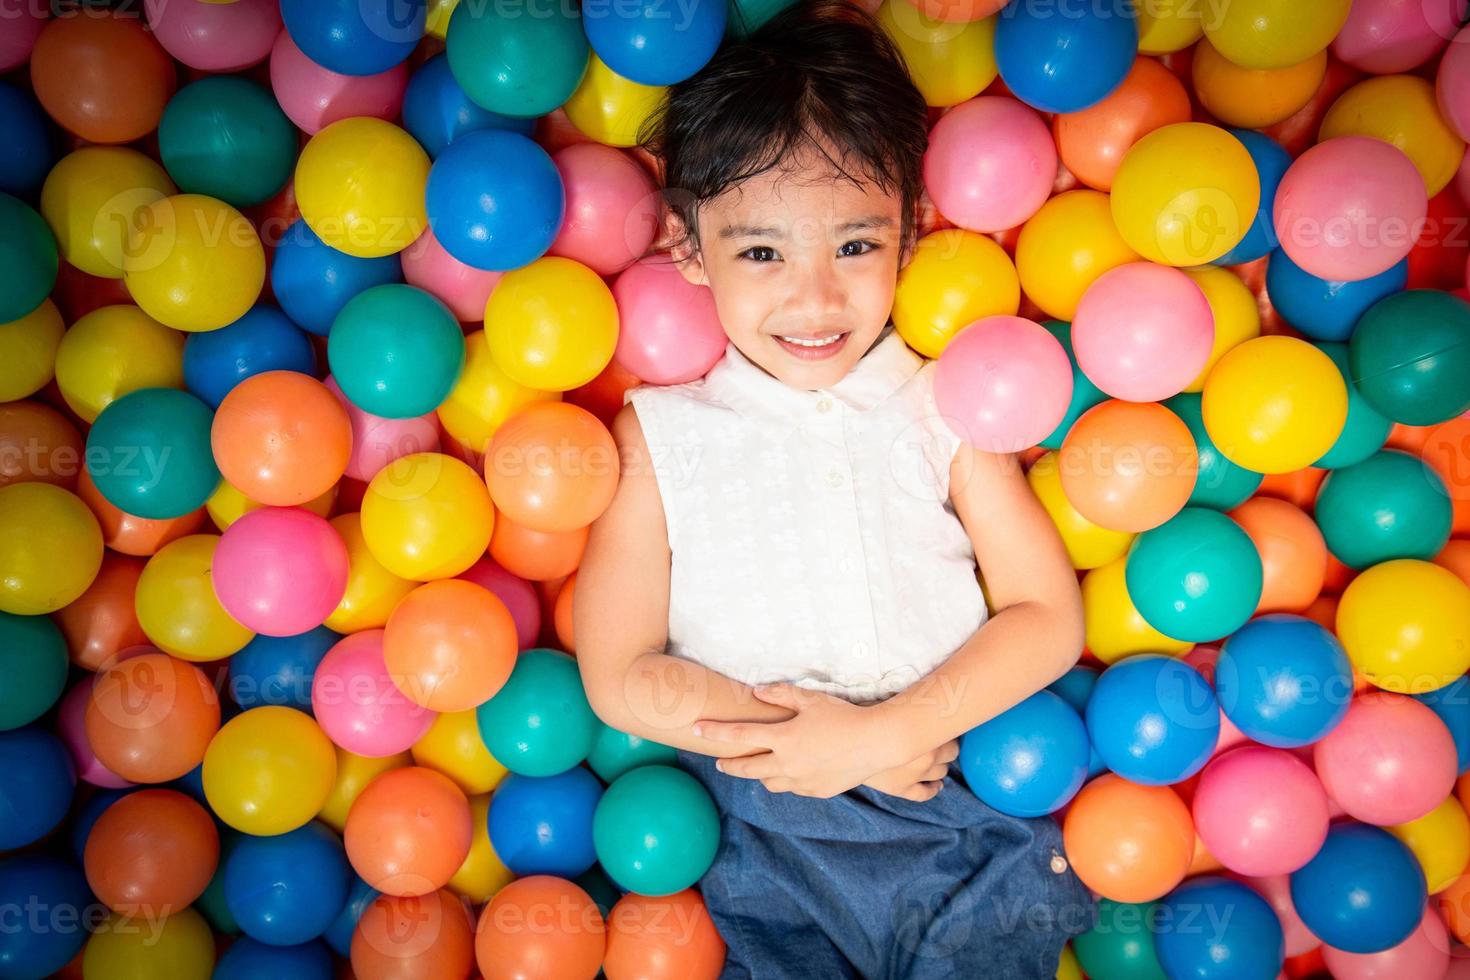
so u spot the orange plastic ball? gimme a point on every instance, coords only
(1293, 553)
(128, 533)
(408, 832)
(639, 949)
(281, 438)
(151, 717)
(450, 645)
(1128, 842)
(1092, 141)
(103, 621)
(427, 937)
(552, 467)
(151, 853)
(540, 926)
(38, 443)
(1128, 466)
(561, 616)
(102, 76)
(536, 556)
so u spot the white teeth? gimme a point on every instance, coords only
(803, 342)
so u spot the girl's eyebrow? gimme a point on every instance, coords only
(753, 231)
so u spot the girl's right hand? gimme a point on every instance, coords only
(919, 779)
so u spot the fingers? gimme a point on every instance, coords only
(757, 766)
(922, 792)
(948, 752)
(935, 773)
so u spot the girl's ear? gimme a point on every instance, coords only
(683, 249)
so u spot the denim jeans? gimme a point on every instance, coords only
(876, 886)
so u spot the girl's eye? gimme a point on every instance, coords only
(864, 247)
(759, 253)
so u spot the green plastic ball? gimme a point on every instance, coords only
(1391, 505)
(1121, 945)
(395, 351)
(1410, 356)
(1085, 394)
(1220, 484)
(27, 256)
(1366, 429)
(227, 137)
(517, 66)
(617, 752)
(149, 453)
(1196, 577)
(34, 653)
(655, 830)
(539, 723)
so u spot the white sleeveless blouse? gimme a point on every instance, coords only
(811, 532)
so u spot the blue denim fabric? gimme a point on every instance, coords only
(876, 886)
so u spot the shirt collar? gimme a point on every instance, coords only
(748, 389)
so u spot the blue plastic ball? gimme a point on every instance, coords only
(46, 901)
(264, 339)
(37, 787)
(26, 153)
(279, 669)
(149, 453)
(250, 959)
(1283, 680)
(652, 43)
(1028, 760)
(1364, 891)
(213, 904)
(495, 200)
(1154, 719)
(1271, 160)
(355, 37)
(1075, 688)
(287, 889)
(437, 111)
(1212, 928)
(1320, 308)
(313, 281)
(1063, 59)
(542, 825)
(1452, 704)
(339, 934)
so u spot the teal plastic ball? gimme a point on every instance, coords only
(517, 65)
(28, 256)
(1366, 428)
(150, 456)
(1410, 356)
(1391, 505)
(1220, 484)
(35, 668)
(539, 723)
(395, 351)
(227, 137)
(656, 830)
(1196, 577)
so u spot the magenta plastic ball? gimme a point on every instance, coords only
(668, 329)
(612, 210)
(71, 726)
(1350, 208)
(1276, 890)
(358, 705)
(1389, 761)
(1003, 384)
(1426, 953)
(377, 441)
(990, 165)
(22, 21)
(216, 36)
(1142, 332)
(519, 596)
(314, 97)
(1452, 86)
(1390, 36)
(1260, 811)
(462, 288)
(279, 571)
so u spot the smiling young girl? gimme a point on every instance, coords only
(796, 607)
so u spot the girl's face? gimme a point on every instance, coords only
(803, 265)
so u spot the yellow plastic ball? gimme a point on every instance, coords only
(194, 263)
(954, 278)
(115, 350)
(1254, 97)
(28, 351)
(1272, 33)
(372, 591)
(483, 873)
(1274, 404)
(1113, 626)
(1440, 840)
(437, 22)
(552, 324)
(1237, 314)
(176, 605)
(50, 548)
(269, 770)
(484, 397)
(453, 746)
(1168, 25)
(1067, 966)
(1088, 545)
(93, 197)
(948, 62)
(360, 186)
(227, 504)
(1065, 246)
(1185, 194)
(354, 772)
(610, 108)
(1405, 625)
(427, 516)
(179, 946)
(1401, 110)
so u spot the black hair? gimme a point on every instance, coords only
(818, 69)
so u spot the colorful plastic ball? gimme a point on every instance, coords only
(1324, 309)
(408, 832)
(1186, 194)
(519, 596)
(249, 959)
(1440, 841)
(28, 346)
(1126, 841)
(618, 752)
(104, 621)
(637, 947)
(279, 571)
(94, 197)
(1236, 313)
(495, 200)
(539, 556)
(313, 281)
(355, 37)
(1128, 466)
(482, 874)
(1113, 627)
(1293, 553)
(1452, 704)
(1274, 33)
(58, 887)
(453, 746)
(1365, 429)
(27, 155)
(1085, 394)
(339, 934)
(1255, 97)
(450, 645)
(1260, 811)
(655, 830)
(415, 938)
(193, 262)
(556, 324)
(1451, 84)
(1406, 625)
(269, 770)
(378, 441)
(179, 946)
(1401, 110)
(1389, 36)
(463, 288)
(281, 438)
(954, 278)
(437, 111)
(990, 164)
(485, 396)
(543, 824)
(177, 607)
(1391, 505)
(1196, 577)
(1271, 160)
(314, 97)
(113, 351)
(1093, 141)
(1064, 63)
(286, 889)
(948, 62)
(574, 939)
(544, 684)
(1153, 719)
(1063, 249)
(148, 453)
(611, 109)
(1030, 759)
(36, 668)
(357, 703)
(279, 669)
(1121, 942)
(1143, 332)
(262, 340)
(1003, 384)
(1248, 943)
(552, 466)
(516, 66)
(1410, 356)
(29, 256)
(50, 548)
(427, 516)
(226, 137)
(611, 208)
(1349, 208)
(1391, 760)
(354, 773)
(395, 351)
(216, 37)
(37, 791)
(1363, 892)
(1275, 404)
(641, 44)
(668, 329)
(151, 853)
(372, 591)
(360, 186)
(102, 76)
(1088, 545)
(151, 717)
(38, 444)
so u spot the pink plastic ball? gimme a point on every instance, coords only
(314, 97)
(519, 596)
(1462, 180)
(612, 210)
(70, 723)
(377, 441)
(1276, 890)
(216, 36)
(990, 165)
(1389, 36)
(279, 571)
(1350, 208)
(1003, 384)
(1426, 953)
(1260, 811)
(1142, 332)
(462, 288)
(22, 21)
(1391, 760)
(1452, 86)
(358, 705)
(669, 331)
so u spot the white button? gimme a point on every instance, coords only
(824, 404)
(834, 478)
(1058, 863)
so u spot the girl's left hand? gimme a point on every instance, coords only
(829, 747)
